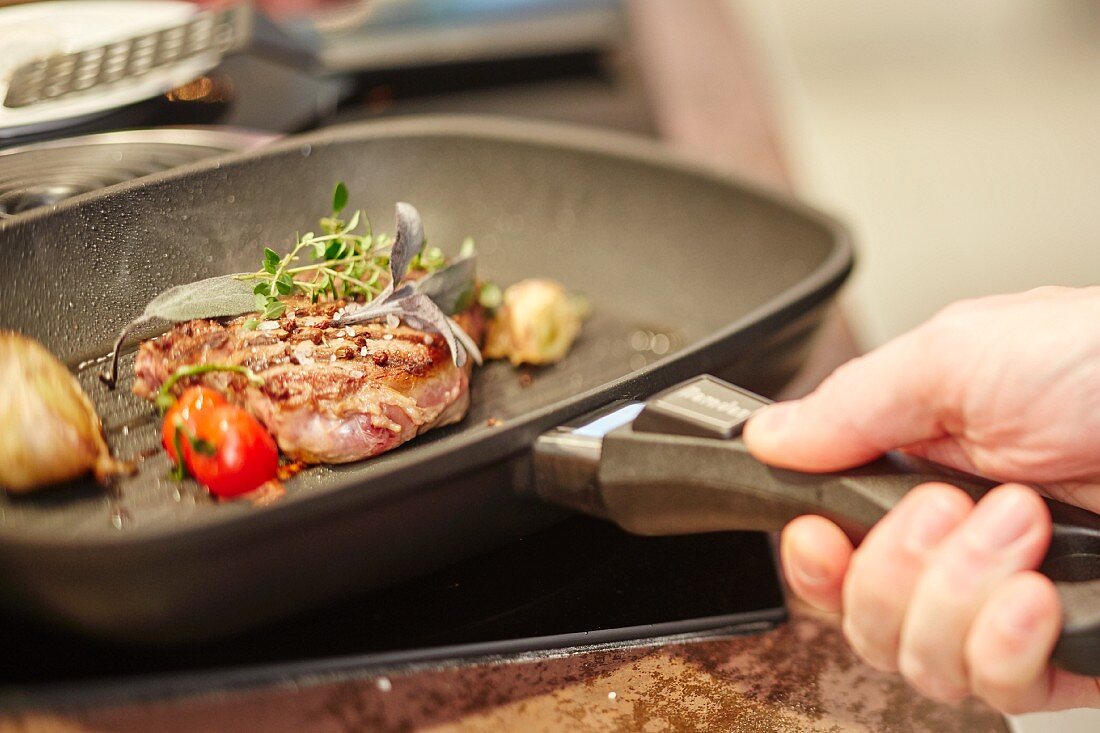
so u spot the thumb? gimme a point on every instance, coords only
(886, 399)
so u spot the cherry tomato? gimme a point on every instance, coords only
(186, 409)
(231, 453)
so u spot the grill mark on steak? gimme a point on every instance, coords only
(330, 394)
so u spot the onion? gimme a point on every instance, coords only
(50, 431)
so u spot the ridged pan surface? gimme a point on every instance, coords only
(682, 267)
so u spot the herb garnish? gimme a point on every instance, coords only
(342, 264)
(412, 302)
(164, 397)
(337, 263)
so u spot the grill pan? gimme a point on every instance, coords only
(731, 278)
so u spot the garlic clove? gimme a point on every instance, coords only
(51, 431)
(536, 323)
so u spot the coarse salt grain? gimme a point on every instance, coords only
(387, 337)
(269, 326)
(363, 351)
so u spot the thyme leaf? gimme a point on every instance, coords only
(339, 198)
(490, 296)
(338, 262)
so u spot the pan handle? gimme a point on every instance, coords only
(660, 476)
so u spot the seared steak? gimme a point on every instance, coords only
(330, 394)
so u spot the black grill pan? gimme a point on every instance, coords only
(731, 278)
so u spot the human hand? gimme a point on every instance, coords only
(944, 590)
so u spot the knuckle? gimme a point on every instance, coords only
(960, 310)
(960, 573)
(1049, 291)
(952, 326)
(872, 654)
(927, 681)
(871, 595)
(987, 684)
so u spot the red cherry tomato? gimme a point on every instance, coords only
(231, 453)
(186, 409)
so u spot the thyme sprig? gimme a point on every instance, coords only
(164, 398)
(337, 263)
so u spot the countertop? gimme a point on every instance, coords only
(799, 677)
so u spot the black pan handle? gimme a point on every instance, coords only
(660, 476)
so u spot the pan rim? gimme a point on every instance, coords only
(497, 446)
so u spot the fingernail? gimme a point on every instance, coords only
(775, 417)
(930, 523)
(1002, 518)
(1021, 617)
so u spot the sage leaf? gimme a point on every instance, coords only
(214, 297)
(418, 311)
(465, 339)
(408, 301)
(452, 285)
(224, 295)
(408, 241)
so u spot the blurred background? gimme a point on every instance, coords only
(958, 138)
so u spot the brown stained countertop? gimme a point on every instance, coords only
(799, 677)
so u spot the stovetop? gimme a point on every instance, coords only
(581, 582)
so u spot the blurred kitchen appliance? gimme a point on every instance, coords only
(45, 173)
(63, 62)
